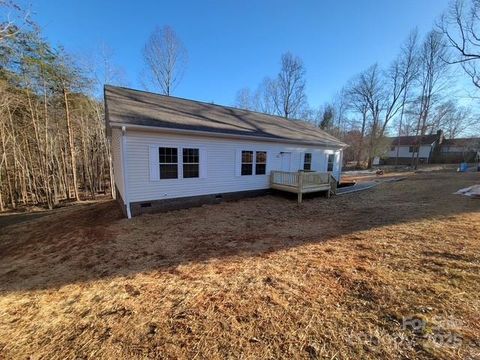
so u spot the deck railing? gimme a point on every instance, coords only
(303, 182)
(285, 178)
(315, 178)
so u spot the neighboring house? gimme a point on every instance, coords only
(170, 152)
(460, 150)
(406, 147)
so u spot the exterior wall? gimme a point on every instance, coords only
(220, 162)
(442, 154)
(405, 153)
(116, 148)
(401, 161)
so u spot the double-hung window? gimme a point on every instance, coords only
(254, 161)
(178, 163)
(247, 162)
(307, 161)
(331, 160)
(191, 163)
(168, 162)
(260, 163)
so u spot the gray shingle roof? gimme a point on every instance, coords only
(413, 140)
(472, 142)
(134, 107)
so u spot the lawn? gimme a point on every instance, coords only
(392, 272)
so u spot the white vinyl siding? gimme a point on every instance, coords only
(220, 165)
(404, 151)
(116, 148)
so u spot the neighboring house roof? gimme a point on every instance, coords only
(462, 142)
(133, 107)
(414, 140)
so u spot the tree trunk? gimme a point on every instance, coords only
(362, 136)
(71, 146)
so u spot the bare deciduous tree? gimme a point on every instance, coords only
(407, 63)
(367, 94)
(284, 95)
(104, 70)
(359, 105)
(432, 75)
(15, 16)
(453, 119)
(244, 99)
(165, 59)
(265, 96)
(461, 27)
(289, 93)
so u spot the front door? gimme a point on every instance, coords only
(286, 158)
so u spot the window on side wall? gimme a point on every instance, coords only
(247, 162)
(260, 162)
(168, 163)
(191, 163)
(413, 149)
(307, 161)
(330, 162)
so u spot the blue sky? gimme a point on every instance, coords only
(234, 44)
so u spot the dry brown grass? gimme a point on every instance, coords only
(258, 278)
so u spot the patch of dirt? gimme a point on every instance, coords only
(256, 278)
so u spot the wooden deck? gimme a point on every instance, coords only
(303, 182)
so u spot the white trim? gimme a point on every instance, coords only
(154, 161)
(238, 162)
(202, 162)
(125, 178)
(180, 163)
(225, 135)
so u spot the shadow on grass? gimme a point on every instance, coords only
(93, 241)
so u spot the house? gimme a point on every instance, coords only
(407, 147)
(433, 149)
(170, 152)
(460, 150)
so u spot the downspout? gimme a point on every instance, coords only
(124, 167)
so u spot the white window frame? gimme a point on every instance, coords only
(154, 162)
(333, 162)
(247, 163)
(311, 161)
(177, 163)
(254, 162)
(199, 162)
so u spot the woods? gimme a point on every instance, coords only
(52, 132)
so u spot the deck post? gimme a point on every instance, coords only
(300, 186)
(330, 185)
